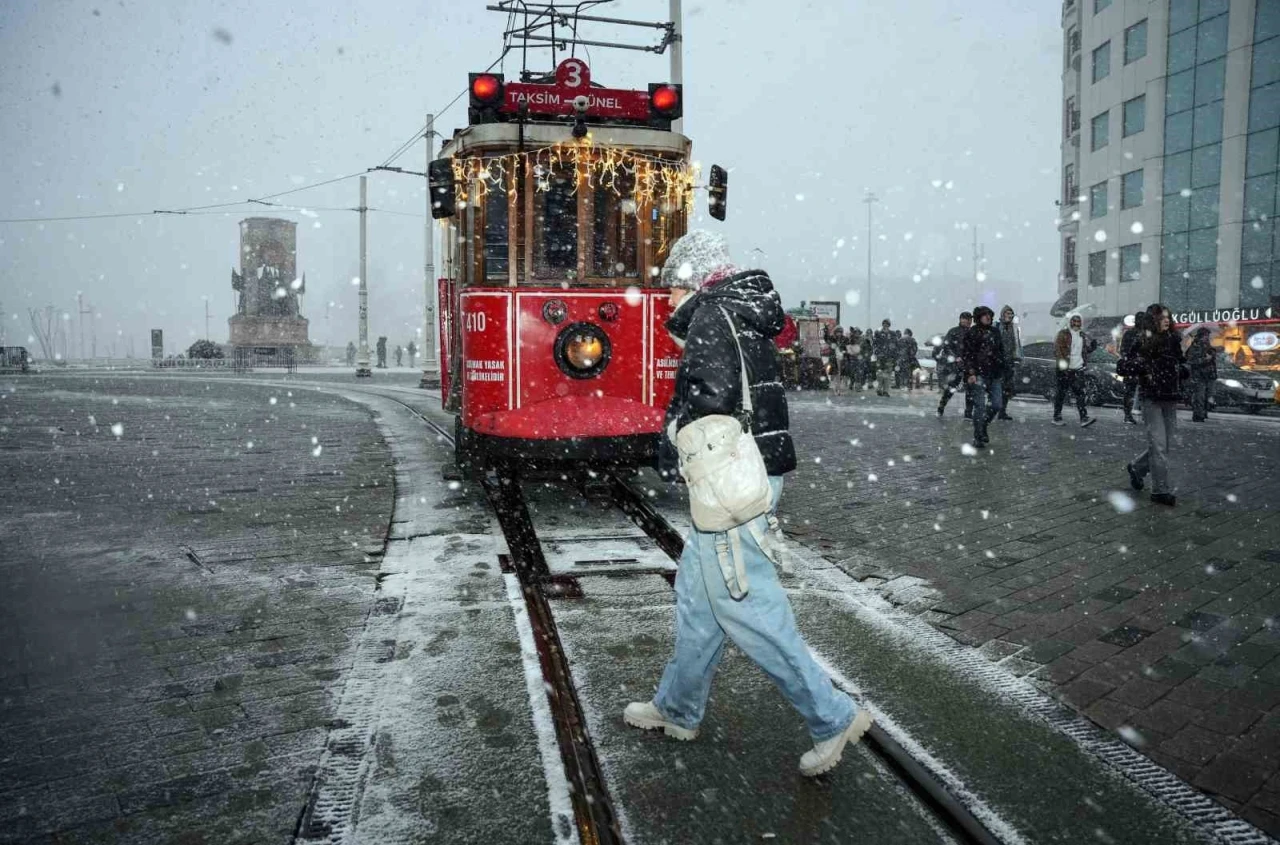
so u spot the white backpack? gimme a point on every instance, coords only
(721, 464)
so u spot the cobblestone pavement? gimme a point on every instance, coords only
(1163, 625)
(185, 563)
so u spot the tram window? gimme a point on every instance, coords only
(496, 230)
(556, 214)
(668, 225)
(614, 253)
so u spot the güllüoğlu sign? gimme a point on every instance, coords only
(1223, 315)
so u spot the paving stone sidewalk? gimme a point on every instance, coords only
(185, 564)
(1163, 625)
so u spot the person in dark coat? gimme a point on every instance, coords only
(1127, 340)
(1011, 351)
(1202, 358)
(852, 364)
(885, 355)
(908, 350)
(951, 373)
(709, 294)
(869, 357)
(1159, 365)
(984, 371)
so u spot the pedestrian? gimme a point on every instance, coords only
(1202, 358)
(838, 342)
(885, 356)
(351, 353)
(1158, 363)
(984, 370)
(951, 372)
(1131, 336)
(705, 289)
(1011, 353)
(413, 353)
(852, 362)
(869, 357)
(1072, 350)
(399, 355)
(908, 352)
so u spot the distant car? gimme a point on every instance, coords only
(14, 359)
(1038, 375)
(1237, 388)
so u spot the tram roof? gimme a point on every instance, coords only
(504, 137)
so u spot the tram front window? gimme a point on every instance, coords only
(614, 253)
(496, 230)
(556, 215)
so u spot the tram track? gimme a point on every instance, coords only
(595, 815)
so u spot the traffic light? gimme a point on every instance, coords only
(444, 200)
(718, 192)
(486, 91)
(666, 103)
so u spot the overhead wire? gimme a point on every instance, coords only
(266, 198)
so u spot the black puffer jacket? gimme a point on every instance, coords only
(982, 352)
(1161, 366)
(709, 380)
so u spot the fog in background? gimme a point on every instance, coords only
(948, 110)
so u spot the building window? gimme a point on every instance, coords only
(1098, 269)
(1130, 263)
(1131, 189)
(1135, 42)
(1182, 14)
(1098, 201)
(1073, 43)
(1102, 62)
(1071, 117)
(1260, 247)
(1069, 260)
(1134, 116)
(1070, 190)
(1100, 131)
(1211, 39)
(1099, 5)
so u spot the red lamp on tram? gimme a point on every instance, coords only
(666, 103)
(486, 90)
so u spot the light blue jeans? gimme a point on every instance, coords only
(760, 623)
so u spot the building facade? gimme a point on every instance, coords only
(1170, 153)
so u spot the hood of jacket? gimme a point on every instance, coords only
(748, 295)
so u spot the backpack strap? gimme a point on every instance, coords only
(747, 409)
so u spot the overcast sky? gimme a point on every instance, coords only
(948, 110)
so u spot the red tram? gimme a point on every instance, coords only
(560, 202)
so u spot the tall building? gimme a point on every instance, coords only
(1170, 153)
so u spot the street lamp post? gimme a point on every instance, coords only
(870, 199)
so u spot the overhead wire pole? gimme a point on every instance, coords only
(677, 55)
(362, 356)
(430, 367)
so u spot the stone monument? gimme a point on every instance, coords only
(267, 328)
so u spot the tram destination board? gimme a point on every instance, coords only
(573, 79)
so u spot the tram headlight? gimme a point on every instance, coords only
(582, 350)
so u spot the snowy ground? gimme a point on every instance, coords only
(402, 682)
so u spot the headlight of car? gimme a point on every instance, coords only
(1230, 382)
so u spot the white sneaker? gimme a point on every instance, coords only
(824, 755)
(646, 717)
